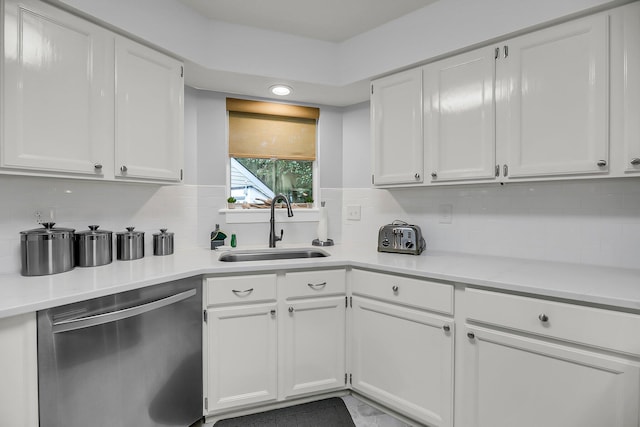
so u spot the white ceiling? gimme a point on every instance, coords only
(329, 20)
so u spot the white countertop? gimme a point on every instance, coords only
(615, 287)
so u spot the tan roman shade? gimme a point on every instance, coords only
(270, 130)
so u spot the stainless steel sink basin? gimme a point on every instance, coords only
(271, 254)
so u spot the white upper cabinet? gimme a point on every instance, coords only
(459, 122)
(149, 113)
(396, 128)
(57, 102)
(553, 100)
(630, 76)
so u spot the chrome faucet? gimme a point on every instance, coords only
(272, 222)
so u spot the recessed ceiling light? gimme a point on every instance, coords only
(280, 90)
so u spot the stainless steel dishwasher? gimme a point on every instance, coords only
(124, 360)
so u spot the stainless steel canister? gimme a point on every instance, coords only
(93, 247)
(46, 250)
(163, 242)
(129, 244)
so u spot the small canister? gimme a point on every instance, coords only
(129, 244)
(163, 242)
(47, 250)
(94, 247)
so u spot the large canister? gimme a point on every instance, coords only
(46, 250)
(129, 244)
(163, 242)
(93, 247)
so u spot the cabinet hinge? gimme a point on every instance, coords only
(505, 170)
(346, 302)
(351, 379)
(373, 181)
(345, 378)
(506, 51)
(204, 316)
(181, 174)
(371, 89)
(497, 171)
(182, 71)
(351, 302)
(206, 403)
(497, 53)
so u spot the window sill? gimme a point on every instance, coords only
(249, 216)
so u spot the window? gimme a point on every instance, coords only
(272, 149)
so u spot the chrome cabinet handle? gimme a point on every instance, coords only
(273, 312)
(635, 161)
(123, 168)
(395, 289)
(291, 309)
(471, 335)
(434, 175)
(317, 285)
(446, 328)
(242, 293)
(417, 176)
(97, 166)
(543, 317)
(602, 163)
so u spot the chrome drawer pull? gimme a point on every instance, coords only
(242, 293)
(446, 328)
(543, 317)
(471, 335)
(317, 285)
(395, 289)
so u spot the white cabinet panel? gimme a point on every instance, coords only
(459, 121)
(516, 381)
(396, 128)
(58, 85)
(19, 371)
(553, 104)
(242, 355)
(149, 113)
(631, 87)
(313, 343)
(403, 358)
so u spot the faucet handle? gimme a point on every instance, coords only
(281, 234)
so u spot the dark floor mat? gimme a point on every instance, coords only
(323, 413)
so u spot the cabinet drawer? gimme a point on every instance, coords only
(241, 289)
(591, 326)
(315, 283)
(404, 290)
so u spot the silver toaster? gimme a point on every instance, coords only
(402, 238)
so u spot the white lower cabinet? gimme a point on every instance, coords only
(528, 362)
(19, 371)
(402, 357)
(273, 337)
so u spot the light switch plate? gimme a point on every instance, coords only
(354, 212)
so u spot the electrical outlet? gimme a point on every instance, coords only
(354, 212)
(445, 214)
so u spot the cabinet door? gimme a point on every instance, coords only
(396, 128)
(404, 358)
(517, 381)
(553, 113)
(57, 91)
(242, 351)
(459, 122)
(149, 113)
(631, 84)
(313, 357)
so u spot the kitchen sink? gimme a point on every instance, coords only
(271, 254)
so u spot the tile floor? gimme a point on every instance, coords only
(364, 415)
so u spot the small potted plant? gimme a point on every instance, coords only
(231, 202)
(309, 201)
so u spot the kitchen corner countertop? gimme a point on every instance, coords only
(614, 287)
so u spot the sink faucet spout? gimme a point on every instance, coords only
(272, 222)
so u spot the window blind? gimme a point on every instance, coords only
(270, 130)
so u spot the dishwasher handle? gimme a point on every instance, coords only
(99, 319)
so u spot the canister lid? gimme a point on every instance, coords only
(93, 230)
(163, 233)
(130, 232)
(47, 230)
